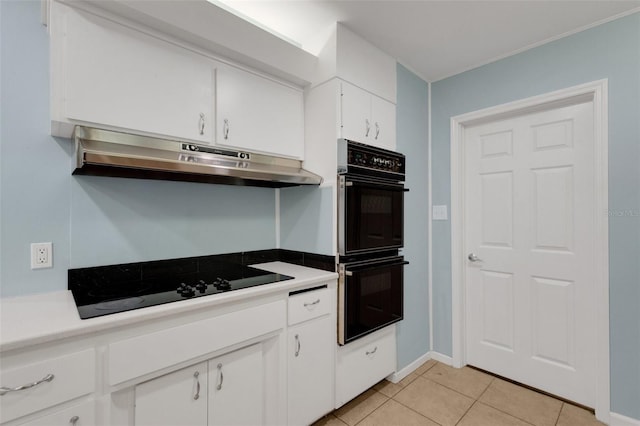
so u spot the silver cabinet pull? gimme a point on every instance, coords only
(306, 305)
(202, 123)
(47, 378)
(367, 127)
(472, 257)
(220, 377)
(74, 420)
(372, 352)
(196, 375)
(298, 346)
(377, 130)
(225, 129)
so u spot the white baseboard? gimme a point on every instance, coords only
(437, 356)
(399, 375)
(440, 357)
(616, 419)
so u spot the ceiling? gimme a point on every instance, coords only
(435, 39)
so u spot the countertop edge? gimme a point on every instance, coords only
(73, 326)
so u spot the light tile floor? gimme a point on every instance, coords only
(436, 394)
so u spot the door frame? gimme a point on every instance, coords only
(596, 92)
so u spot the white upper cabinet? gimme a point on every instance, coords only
(109, 75)
(367, 118)
(258, 114)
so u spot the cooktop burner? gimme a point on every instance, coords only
(112, 289)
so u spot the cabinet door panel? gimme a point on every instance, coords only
(236, 389)
(310, 370)
(178, 398)
(258, 114)
(119, 77)
(356, 113)
(383, 115)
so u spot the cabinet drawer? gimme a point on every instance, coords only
(147, 353)
(363, 363)
(308, 305)
(73, 376)
(79, 415)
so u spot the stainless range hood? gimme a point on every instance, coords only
(107, 153)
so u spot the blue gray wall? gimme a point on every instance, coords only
(92, 220)
(412, 121)
(306, 219)
(608, 51)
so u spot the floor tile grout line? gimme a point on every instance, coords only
(417, 412)
(508, 414)
(451, 389)
(465, 413)
(559, 413)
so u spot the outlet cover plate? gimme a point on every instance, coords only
(41, 255)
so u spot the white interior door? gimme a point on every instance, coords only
(529, 220)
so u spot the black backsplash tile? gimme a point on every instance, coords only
(260, 256)
(135, 274)
(162, 268)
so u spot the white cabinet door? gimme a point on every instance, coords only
(236, 388)
(310, 370)
(383, 117)
(178, 398)
(119, 77)
(367, 118)
(355, 113)
(258, 114)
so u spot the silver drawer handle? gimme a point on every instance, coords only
(220, 377)
(367, 127)
(306, 305)
(377, 130)
(47, 378)
(298, 346)
(195, 375)
(372, 352)
(73, 421)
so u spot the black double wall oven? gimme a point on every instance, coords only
(370, 235)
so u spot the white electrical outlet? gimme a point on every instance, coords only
(41, 255)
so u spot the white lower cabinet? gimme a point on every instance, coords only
(185, 391)
(363, 363)
(310, 370)
(79, 415)
(236, 388)
(227, 390)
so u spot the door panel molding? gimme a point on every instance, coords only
(595, 92)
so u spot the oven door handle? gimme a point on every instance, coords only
(364, 266)
(375, 184)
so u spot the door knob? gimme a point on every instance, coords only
(472, 257)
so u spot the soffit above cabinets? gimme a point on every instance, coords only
(214, 29)
(436, 39)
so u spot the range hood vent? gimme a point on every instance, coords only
(107, 153)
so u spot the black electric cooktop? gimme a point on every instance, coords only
(112, 289)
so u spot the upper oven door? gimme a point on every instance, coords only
(371, 215)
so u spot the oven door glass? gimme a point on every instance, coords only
(373, 298)
(373, 217)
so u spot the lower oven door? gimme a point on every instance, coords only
(370, 296)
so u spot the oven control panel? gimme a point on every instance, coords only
(366, 157)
